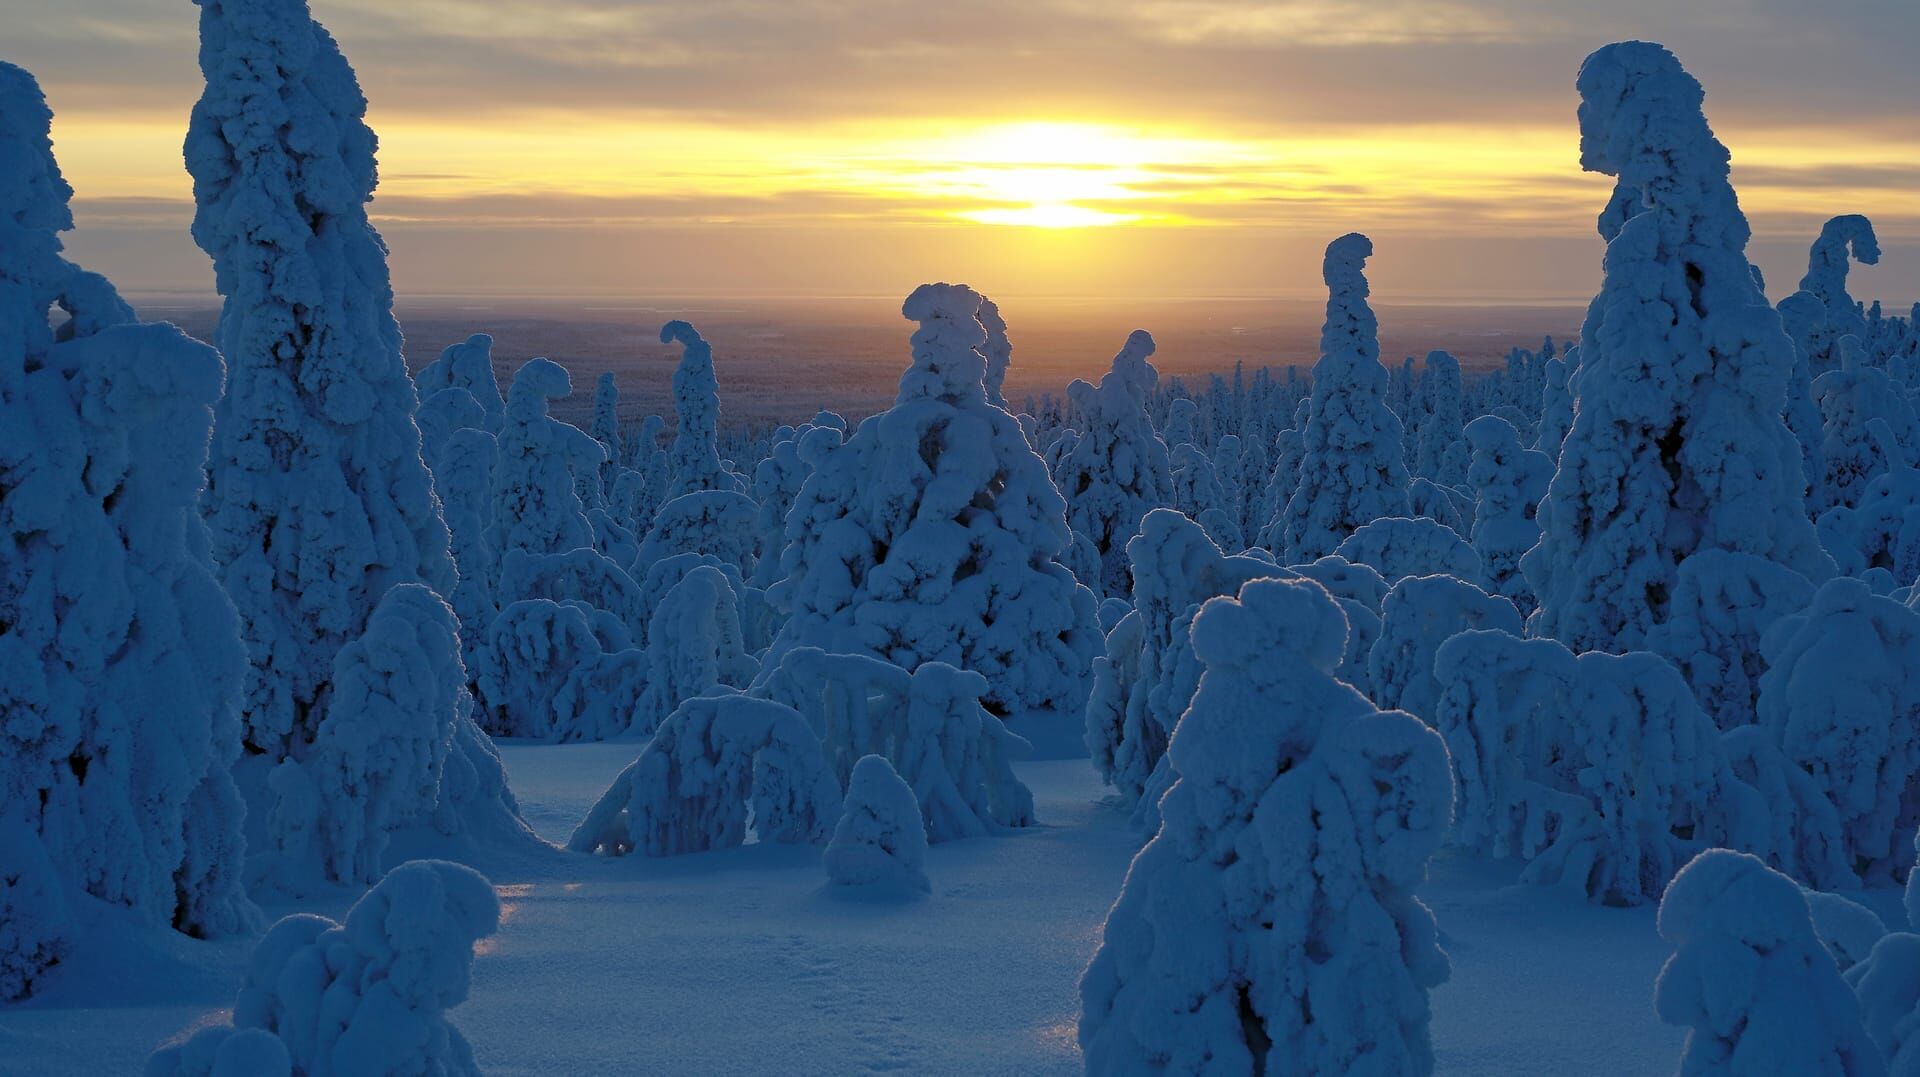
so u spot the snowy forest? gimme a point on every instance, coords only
(1373, 718)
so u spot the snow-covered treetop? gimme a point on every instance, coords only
(33, 212)
(1828, 262)
(1131, 374)
(696, 398)
(1351, 328)
(536, 382)
(947, 360)
(1641, 122)
(999, 352)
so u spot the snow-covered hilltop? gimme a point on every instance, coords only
(1631, 623)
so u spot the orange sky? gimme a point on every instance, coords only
(1170, 147)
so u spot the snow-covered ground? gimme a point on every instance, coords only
(740, 962)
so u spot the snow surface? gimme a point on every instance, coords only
(614, 965)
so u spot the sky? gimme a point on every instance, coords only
(1163, 148)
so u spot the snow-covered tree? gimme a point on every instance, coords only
(1510, 481)
(694, 645)
(1142, 685)
(560, 671)
(1556, 404)
(696, 399)
(1271, 924)
(1352, 468)
(1677, 444)
(1400, 546)
(1117, 470)
(880, 845)
(606, 425)
(1723, 606)
(1750, 978)
(715, 523)
(468, 366)
(929, 726)
(1843, 240)
(368, 995)
(1600, 770)
(121, 664)
(318, 500)
(1442, 421)
(536, 506)
(1887, 983)
(1839, 699)
(1421, 613)
(934, 534)
(999, 353)
(694, 783)
(376, 763)
(776, 483)
(1198, 493)
(1852, 398)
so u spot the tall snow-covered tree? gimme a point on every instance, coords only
(934, 534)
(1677, 443)
(1750, 978)
(1509, 481)
(536, 506)
(318, 500)
(1271, 925)
(1118, 469)
(1443, 418)
(120, 658)
(1842, 241)
(1352, 467)
(999, 353)
(696, 399)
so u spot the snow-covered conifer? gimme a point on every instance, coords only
(1352, 469)
(1556, 405)
(1724, 604)
(1240, 962)
(1442, 419)
(694, 645)
(713, 760)
(369, 995)
(934, 534)
(1851, 399)
(1400, 546)
(880, 844)
(318, 500)
(377, 761)
(1420, 614)
(715, 523)
(536, 506)
(1750, 978)
(1510, 482)
(1843, 240)
(999, 353)
(1117, 470)
(121, 664)
(696, 399)
(1839, 699)
(1198, 493)
(1677, 444)
(606, 424)
(469, 366)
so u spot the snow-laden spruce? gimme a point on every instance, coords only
(879, 847)
(714, 760)
(776, 483)
(696, 400)
(1677, 444)
(1421, 613)
(934, 534)
(1853, 399)
(377, 761)
(1352, 470)
(1398, 547)
(366, 995)
(606, 425)
(999, 353)
(694, 645)
(318, 500)
(1118, 469)
(1509, 481)
(928, 725)
(469, 366)
(1750, 979)
(1839, 699)
(1843, 240)
(121, 664)
(1599, 770)
(1441, 455)
(1146, 678)
(536, 506)
(1887, 983)
(1271, 925)
(1723, 606)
